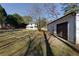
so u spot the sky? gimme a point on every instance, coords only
(24, 9)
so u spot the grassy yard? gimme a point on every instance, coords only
(17, 42)
(31, 43)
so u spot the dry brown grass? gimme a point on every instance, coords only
(30, 42)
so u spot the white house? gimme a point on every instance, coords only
(31, 27)
(66, 27)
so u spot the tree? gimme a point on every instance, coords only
(27, 19)
(16, 21)
(11, 20)
(52, 10)
(3, 16)
(41, 22)
(70, 7)
(36, 11)
(18, 18)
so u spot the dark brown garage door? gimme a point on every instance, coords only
(62, 30)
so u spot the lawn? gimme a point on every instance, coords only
(20, 42)
(24, 42)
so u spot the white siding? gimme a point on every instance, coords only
(77, 28)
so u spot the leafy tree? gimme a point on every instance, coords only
(70, 7)
(3, 16)
(18, 18)
(11, 20)
(27, 19)
(16, 22)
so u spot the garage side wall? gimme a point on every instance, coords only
(71, 26)
(49, 28)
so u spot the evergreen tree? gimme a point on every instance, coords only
(70, 7)
(3, 16)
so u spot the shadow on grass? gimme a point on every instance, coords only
(35, 47)
(34, 50)
(48, 48)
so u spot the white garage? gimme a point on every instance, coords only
(66, 27)
(31, 27)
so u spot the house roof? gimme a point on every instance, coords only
(62, 17)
